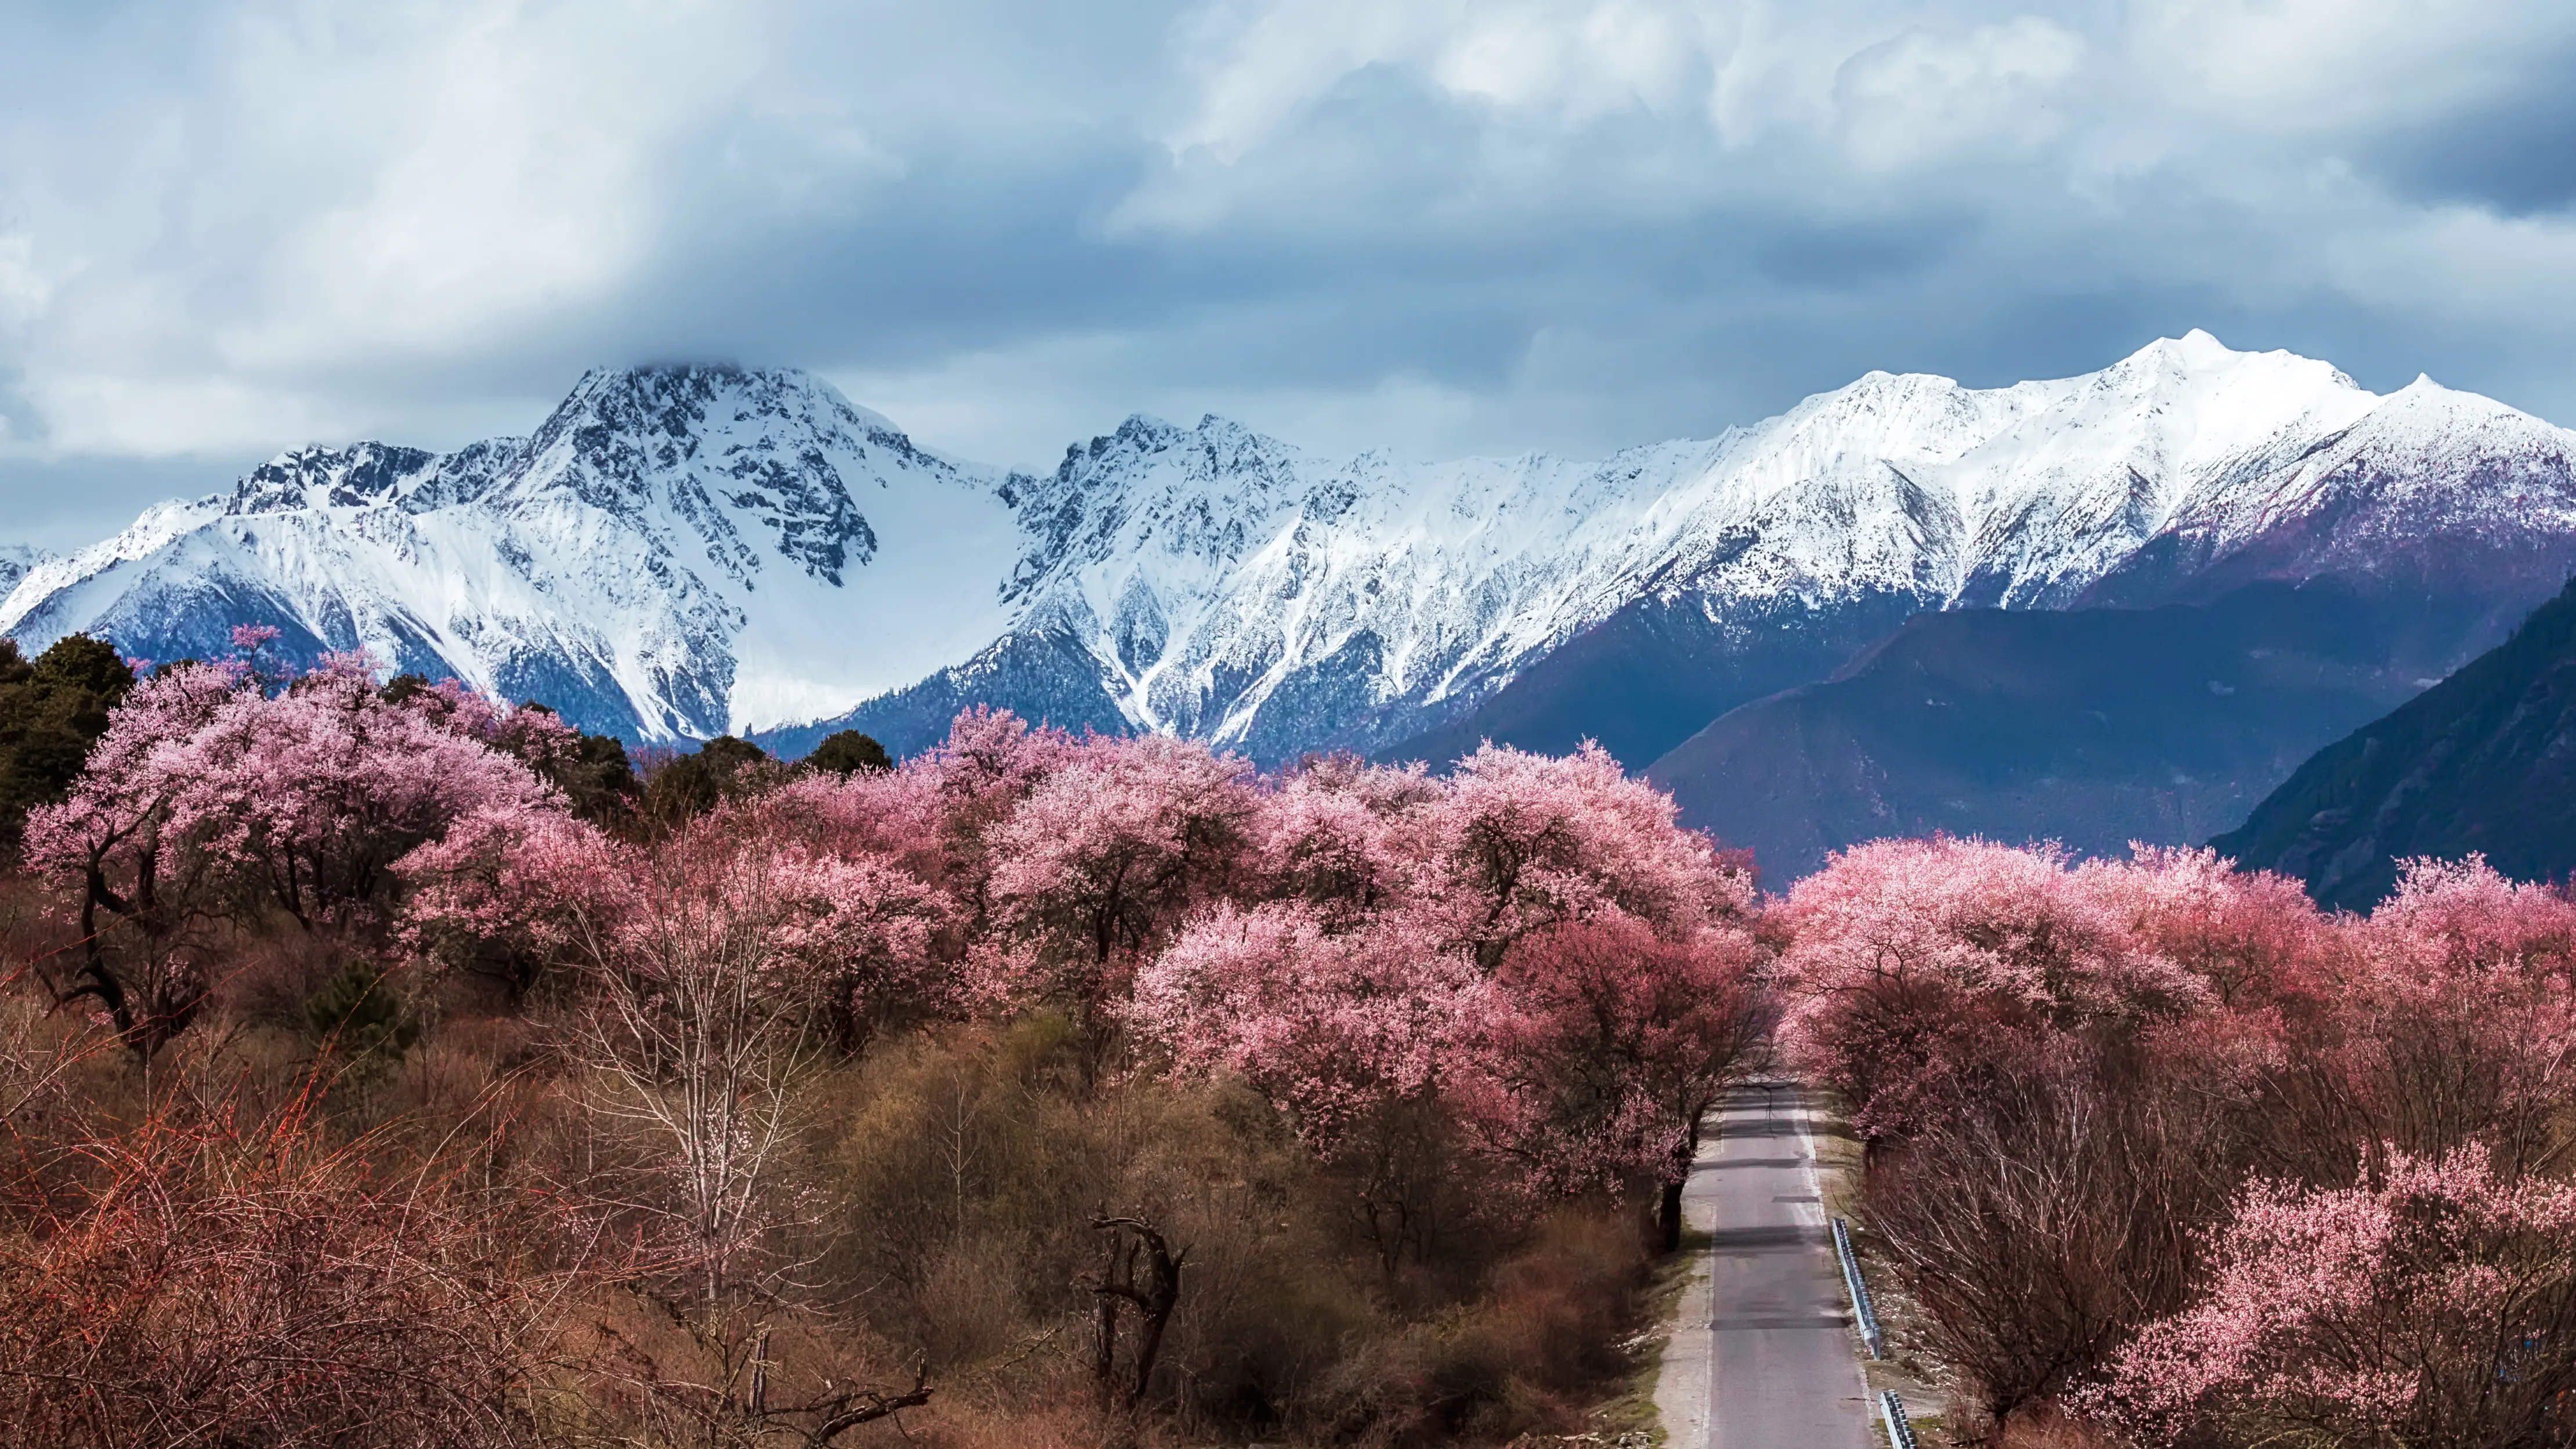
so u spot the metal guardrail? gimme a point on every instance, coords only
(1891, 1411)
(1863, 1313)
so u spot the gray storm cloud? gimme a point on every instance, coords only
(229, 227)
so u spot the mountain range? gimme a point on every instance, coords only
(682, 551)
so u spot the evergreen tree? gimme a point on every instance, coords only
(849, 752)
(51, 712)
(723, 768)
(357, 1015)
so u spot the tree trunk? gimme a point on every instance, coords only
(1153, 1299)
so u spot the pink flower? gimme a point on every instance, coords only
(2372, 1313)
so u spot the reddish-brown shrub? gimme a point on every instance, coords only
(231, 1281)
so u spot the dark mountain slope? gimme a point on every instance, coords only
(2484, 761)
(1653, 674)
(2095, 727)
(1041, 677)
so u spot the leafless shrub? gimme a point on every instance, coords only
(2036, 1234)
(232, 1279)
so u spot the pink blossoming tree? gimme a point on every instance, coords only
(1604, 1046)
(210, 797)
(1527, 841)
(1103, 859)
(2434, 1303)
(1924, 967)
(1353, 1034)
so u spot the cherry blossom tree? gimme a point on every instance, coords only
(1923, 968)
(2251, 936)
(532, 734)
(311, 796)
(117, 842)
(991, 759)
(2459, 920)
(731, 955)
(1351, 1033)
(1526, 841)
(900, 814)
(1327, 1024)
(859, 933)
(1348, 838)
(963, 790)
(850, 935)
(709, 964)
(2453, 1019)
(2432, 1303)
(210, 797)
(299, 801)
(1103, 859)
(1603, 1048)
(514, 893)
(1531, 958)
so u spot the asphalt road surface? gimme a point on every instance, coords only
(1763, 1356)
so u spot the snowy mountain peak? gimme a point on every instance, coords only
(676, 550)
(750, 464)
(364, 474)
(328, 477)
(1202, 494)
(16, 560)
(689, 548)
(1221, 579)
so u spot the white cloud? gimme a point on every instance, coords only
(23, 290)
(1926, 94)
(1569, 61)
(145, 414)
(228, 226)
(513, 167)
(2302, 66)
(299, 191)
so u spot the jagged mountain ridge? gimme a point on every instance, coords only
(2175, 477)
(1214, 582)
(15, 560)
(673, 551)
(1409, 611)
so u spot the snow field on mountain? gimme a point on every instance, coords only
(682, 550)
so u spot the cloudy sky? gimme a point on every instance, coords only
(231, 226)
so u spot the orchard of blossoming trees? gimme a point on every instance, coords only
(776, 1081)
(388, 1065)
(2158, 1145)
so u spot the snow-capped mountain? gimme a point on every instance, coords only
(15, 560)
(1220, 584)
(686, 550)
(676, 551)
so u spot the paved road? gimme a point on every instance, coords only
(1764, 1356)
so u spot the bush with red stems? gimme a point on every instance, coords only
(220, 1276)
